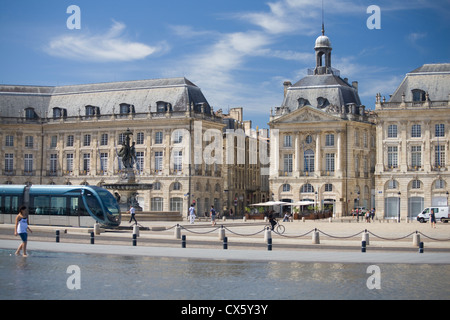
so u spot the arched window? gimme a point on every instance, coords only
(303, 102)
(322, 102)
(307, 188)
(309, 161)
(286, 187)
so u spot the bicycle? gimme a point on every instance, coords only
(277, 228)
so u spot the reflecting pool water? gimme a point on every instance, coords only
(44, 275)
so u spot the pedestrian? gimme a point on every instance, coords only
(132, 212)
(433, 219)
(372, 214)
(192, 214)
(213, 215)
(21, 228)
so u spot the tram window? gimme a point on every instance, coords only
(94, 205)
(41, 205)
(110, 202)
(58, 206)
(11, 204)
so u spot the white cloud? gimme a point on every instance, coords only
(108, 47)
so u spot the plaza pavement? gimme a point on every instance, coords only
(246, 241)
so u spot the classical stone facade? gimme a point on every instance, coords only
(323, 141)
(73, 135)
(413, 130)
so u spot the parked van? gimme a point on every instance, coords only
(441, 213)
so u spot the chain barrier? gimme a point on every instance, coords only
(305, 234)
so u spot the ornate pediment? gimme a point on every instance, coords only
(307, 114)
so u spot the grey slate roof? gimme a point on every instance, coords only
(142, 94)
(431, 78)
(329, 86)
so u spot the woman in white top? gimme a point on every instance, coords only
(21, 229)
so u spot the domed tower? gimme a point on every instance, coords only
(323, 50)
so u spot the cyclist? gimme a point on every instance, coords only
(272, 221)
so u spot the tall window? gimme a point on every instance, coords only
(70, 140)
(104, 162)
(329, 140)
(9, 162)
(158, 161)
(392, 157)
(416, 131)
(104, 139)
(286, 187)
(140, 138)
(440, 130)
(439, 156)
(69, 162)
(29, 142)
(418, 95)
(87, 140)
(159, 138)
(86, 162)
(157, 204)
(28, 163)
(329, 162)
(416, 156)
(287, 163)
(177, 136)
(178, 161)
(287, 141)
(53, 163)
(309, 161)
(140, 161)
(9, 141)
(392, 131)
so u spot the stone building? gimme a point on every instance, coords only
(322, 140)
(413, 130)
(73, 135)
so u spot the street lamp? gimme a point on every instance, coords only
(398, 218)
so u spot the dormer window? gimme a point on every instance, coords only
(30, 114)
(322, 102)
(126, 108)
(59, 113)
(303, 102)
(162, 107)
(418, 95)
(92, 111)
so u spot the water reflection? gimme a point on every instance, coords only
(44, 276)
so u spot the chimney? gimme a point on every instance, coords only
(286, 85)
(355, 85)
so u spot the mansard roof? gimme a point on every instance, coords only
(433, 79)
(144, 95)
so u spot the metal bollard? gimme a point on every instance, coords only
(92, 237)
(315, 237)
(365, 237)
(416, 239)
(421, 247)
(183, 241)
(363, 246)
(225, 243)
(269, 244)
(57, 235)
(136, 230)
(267, 234)
(177, 234)
(222, 233)
(134, 239)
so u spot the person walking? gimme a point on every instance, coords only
(21, 228)
(433, 219)
(213, 216)
(192, 214)
(132, 212)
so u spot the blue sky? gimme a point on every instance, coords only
(238, 52)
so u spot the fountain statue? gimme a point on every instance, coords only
(125, 190)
